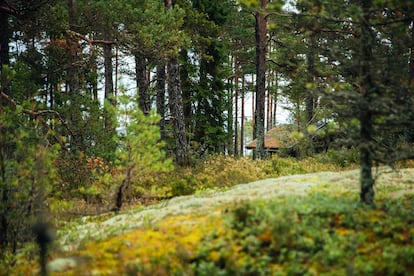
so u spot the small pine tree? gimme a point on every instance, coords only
(140, 150)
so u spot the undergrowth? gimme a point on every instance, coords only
(222, 171)
(320, 234)
(214, 173)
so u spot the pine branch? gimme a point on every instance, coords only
(38, 115)
(91, 41)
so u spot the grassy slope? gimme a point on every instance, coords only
(288, 225)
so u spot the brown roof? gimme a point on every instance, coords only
(276, 138)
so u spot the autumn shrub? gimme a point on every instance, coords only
(280, 166)
(221, 171)
(215, 172)
(342, 157)
(312, 235)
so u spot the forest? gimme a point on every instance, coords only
(114, 106)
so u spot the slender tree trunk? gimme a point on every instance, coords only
(5, 151)
(94, 69)
(142, 84)
(236, 108)
(116, 71)
(186, 92)
(269, 94)
(409, 133)
(242, 117)
(276, 94)
(253, 112)
(367, 90)
(268, 107)
(230, 123)
(411, 60)
(109, 82)
(309, 99)
(160, 88)
(261, 30)
(176, 107)
(4, 40)
(73, 77)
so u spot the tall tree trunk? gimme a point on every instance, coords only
(186, 91)
(411, 62)
(5, 149)
(73, 77)
(109, 82)
(253, 111)
(236, 107)
(142, 84)
(160, 101)
(367, 93)
(310, 97)
(260, 30)
(230, 123)
(310, 60)
(4, 39)
(275, 97)
(176, 108)
(94, 84)
(409, 133)
(242, 117)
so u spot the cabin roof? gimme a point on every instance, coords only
(276, 138)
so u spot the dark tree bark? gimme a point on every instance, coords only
(95, 81)
(109, 82)
(73, 77)
(310, 60)
(368, 90)
(160, 101)
(186, 91)
(260, 30)
(236, 107)
(411, 62)
(176, 108)
(5, 152)
(4, 39)
(230, 119)
(242, 117)
(142, 84)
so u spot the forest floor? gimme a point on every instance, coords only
(191, 209)
(389, 183)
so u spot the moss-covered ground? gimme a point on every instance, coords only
(309, 224)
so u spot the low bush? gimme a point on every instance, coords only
(319, 234)
(316, 235)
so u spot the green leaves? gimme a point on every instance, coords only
(140, 147)
(332, 234)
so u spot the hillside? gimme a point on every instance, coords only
(169, 236)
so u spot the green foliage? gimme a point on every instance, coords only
(342, 157)
(153, 30)
(220, 172)
(91, 141)
(313, 235)
(140, 151)
(27, 174)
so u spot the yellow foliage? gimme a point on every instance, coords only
(162, 249)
